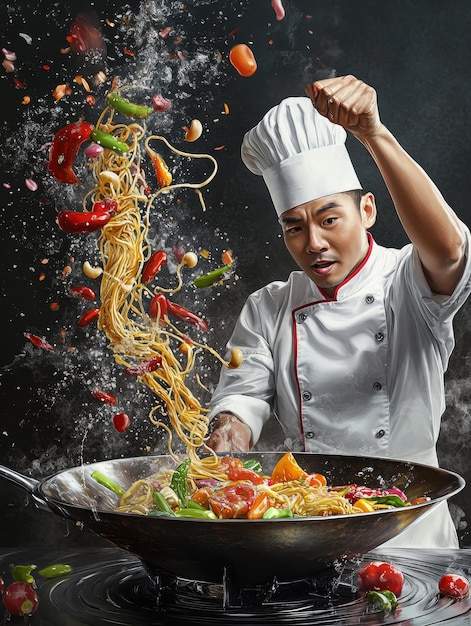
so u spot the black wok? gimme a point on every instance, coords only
(253, 551)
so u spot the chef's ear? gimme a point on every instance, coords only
(368, 209)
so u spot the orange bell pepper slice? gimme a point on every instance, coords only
(287, 469)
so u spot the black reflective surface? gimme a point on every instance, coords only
(108, 586)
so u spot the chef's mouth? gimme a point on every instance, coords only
(322, 267)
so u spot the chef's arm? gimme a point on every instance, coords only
(229, 434)
(430, 223)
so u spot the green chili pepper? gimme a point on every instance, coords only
(23, 573)
(128, 108)
(272, 513)
(206, 280)
(52, 571)
(162, 503)
(179, 482)
(107, 140)
(101, 479)
(253, 465)
(390, 500)
(191, 504)
(391, 597)
(195, 513)
(380, 601)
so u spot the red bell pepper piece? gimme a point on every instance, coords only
(158, 306)
(106, 398)
(65, 146)
(187, 316)
(154, 265)
(88, 317)
(39, 342)
(82, 292)
(90, 221)
(144, 368)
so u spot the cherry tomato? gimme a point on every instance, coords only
(242, 58)
(233, 501)
(287, 469)
(453, 585)
(20, 598)
(380, 576)
(121, 422)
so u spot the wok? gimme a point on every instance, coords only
(253, 551)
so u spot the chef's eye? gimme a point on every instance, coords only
(330, 220)
(292, 230)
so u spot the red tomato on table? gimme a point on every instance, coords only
(453, 585)
(380, 576)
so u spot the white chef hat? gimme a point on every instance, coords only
(300, 154)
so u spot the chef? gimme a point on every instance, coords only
(349, 353)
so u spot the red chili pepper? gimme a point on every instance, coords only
(106, 398)
(90, 221)
(88, 317)
(187, 316)
(121, 422)
(108, 205)
(65, 146)
(82, 292)
(75, 222)
(158, 306)
(39, 342)
(154, 265)
(144, 368)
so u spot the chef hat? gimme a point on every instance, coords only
(300, 154)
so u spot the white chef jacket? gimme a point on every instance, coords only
(360, 373)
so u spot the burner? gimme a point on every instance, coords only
(109, 586)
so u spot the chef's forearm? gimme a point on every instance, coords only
(429, 221)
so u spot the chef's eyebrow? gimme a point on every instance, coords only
(293, 219)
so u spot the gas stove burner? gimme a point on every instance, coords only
(109, 586)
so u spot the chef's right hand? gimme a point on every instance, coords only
(229, 434)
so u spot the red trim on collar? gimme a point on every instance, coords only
(354, 273)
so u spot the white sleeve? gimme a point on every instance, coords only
(248, 391)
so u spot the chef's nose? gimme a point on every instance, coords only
(316, 242)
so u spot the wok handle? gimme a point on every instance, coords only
(27, 483)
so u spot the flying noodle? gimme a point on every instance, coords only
(124, 248)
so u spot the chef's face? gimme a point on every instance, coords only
(327, 237)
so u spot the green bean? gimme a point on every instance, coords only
(196, 513)
(107, 140)
(120, 104)
(206, 280)
(52, 571)
(162, 503)
(103, 480)
(273, 513)
(179, 482)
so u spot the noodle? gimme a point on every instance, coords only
(123, 244)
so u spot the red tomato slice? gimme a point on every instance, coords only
(242, 473)
(453, 585)
(233, 501)
(380, 576)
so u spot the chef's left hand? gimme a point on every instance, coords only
(347, 101)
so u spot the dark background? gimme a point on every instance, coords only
(415, 53)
